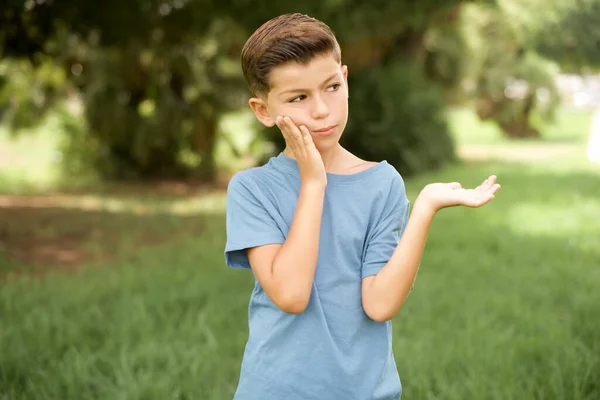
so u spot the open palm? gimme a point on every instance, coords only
(441, 195)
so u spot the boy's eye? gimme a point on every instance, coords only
(335, 87)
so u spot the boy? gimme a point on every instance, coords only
(320, 230)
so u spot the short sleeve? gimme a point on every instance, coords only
(383, 239)
(248, 221)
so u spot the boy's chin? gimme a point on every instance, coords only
(324, 144)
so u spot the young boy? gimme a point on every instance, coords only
(320, 229)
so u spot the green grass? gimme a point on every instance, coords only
(505, 305)
(568, 127)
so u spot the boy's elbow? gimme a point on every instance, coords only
(293, 304)
(292, 299)
(377, 314)
(294, 308)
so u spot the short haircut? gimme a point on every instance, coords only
(287, 38)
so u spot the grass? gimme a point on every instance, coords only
(569, 126)
(505, 305)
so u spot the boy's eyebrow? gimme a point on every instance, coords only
(306, 90)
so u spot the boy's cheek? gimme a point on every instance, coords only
(297, 117)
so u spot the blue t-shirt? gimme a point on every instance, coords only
(332, 350)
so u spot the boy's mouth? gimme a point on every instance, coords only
(325, 131)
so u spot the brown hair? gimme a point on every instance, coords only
(286, 38)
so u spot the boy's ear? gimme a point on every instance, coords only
(259, 106)
(345, 74)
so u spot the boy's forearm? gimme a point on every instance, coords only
(384, 295)
(295, 263)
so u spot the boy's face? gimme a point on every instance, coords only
(314, 95)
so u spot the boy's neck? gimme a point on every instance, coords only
(331, 158)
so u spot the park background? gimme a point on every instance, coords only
(123, 121)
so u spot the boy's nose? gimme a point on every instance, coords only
(320, 109)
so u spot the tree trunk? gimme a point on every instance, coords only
(521, 127)
(204, 141)
(411, 45)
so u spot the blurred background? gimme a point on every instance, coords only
(121, 123)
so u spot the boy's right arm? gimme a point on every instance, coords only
(286, 271)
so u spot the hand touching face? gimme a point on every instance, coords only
(313, 95)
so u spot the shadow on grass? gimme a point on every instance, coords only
(39, 234)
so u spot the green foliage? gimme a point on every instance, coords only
(508, 80)
(395, 114)
(568, 32)
(164, 102)
(156, 77)
(27, 93)
(79, 150)
(445, 62)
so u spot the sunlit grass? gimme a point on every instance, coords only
(570, 126)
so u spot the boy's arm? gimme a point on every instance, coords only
(384, 293)
(286, 271)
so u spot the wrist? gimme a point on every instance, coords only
(313, 185)
(425, 207)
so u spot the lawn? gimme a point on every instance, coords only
(125, 295)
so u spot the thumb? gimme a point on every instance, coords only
(455, 185)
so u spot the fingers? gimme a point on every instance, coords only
(298, 138)
(290, 129)
(479, 196)
(291, 134)
(307, 139)
(490, 186)
(487, 184)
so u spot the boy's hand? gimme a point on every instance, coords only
(441, 195)
(307, 156)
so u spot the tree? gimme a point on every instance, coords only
(155, 76)
(151, 76)
(568, 32)
(488, 57)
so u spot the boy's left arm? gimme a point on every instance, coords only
(384, 293)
